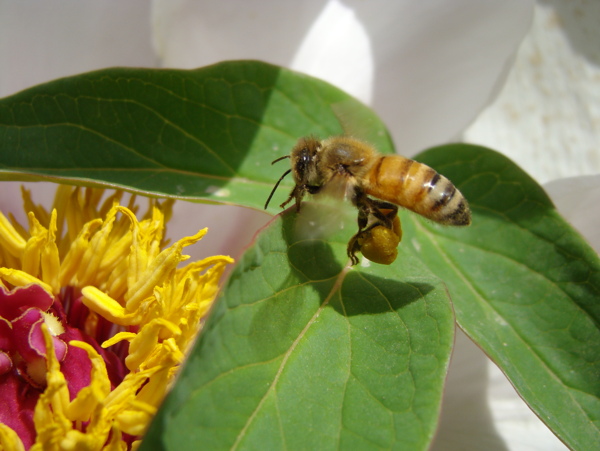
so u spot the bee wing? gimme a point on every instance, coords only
(324, 218)
(330, 212)
(359, 121)
(337, 187)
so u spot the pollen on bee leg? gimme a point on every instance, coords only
(380, 244)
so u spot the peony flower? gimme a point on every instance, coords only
(95, 318)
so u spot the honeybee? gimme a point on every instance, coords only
(376, 184)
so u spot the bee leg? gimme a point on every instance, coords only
(363, 220)
(385, 212)
(297, 194)
(354, 245)
(379, 209)
(371, 213)
(353, 248)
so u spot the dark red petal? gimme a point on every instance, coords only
(72, 368)
(5, 363)
(77, 312)
(76, 368)
(6, 332)
(17, 402)
(14, 302)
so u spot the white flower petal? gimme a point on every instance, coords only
(41, 41)
(466, 421)
(326, 48)
(429, 69)
(519, 427)
(547, 117)
(577, 199)
(482, 411)
(230, 229)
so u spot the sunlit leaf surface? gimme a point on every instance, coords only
(301, 351)
(209, 134)
(525, 287)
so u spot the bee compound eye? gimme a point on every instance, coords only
(301, 165)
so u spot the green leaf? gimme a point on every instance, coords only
(302, 352)
(208, 134)
(525, 287)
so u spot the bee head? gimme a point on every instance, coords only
(304, 169)
(304, 158)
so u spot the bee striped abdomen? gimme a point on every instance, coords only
(419, 188)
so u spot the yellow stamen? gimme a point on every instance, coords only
(71, 262)
(54, 325)
(49, 417)
(10, 238)
(123, 272)
(146, 340)
(21, 279)
(107, 307)
(50, 260)
(90, 397)
(9, 440)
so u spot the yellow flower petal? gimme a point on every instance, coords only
(144, 279)
(135, 422)
(122, 397)
(116, 443)
(98, 245)
(32, 253)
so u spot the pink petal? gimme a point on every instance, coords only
(21, 329)
(28, 339)
(37, 343)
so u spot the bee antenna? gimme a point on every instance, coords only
(279, 159)
(278, 182)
